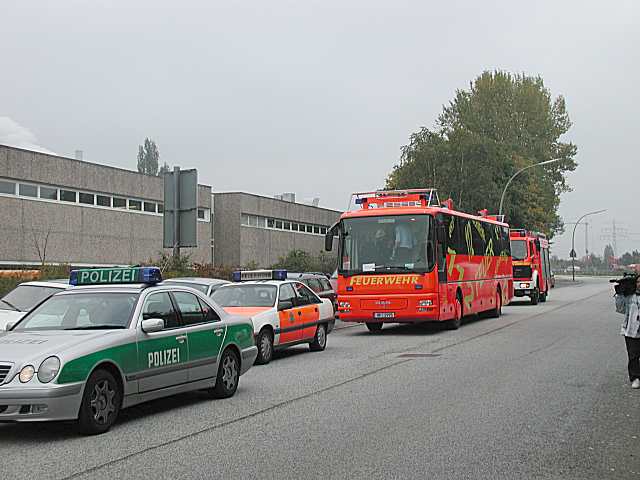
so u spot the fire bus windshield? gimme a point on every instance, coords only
(390, 243)
(518, 249)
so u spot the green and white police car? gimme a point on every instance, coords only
(119, 338)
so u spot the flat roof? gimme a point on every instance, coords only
(237, 192)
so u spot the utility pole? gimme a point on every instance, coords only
(614, 234)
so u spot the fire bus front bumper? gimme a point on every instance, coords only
(390, 308)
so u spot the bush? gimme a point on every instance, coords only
(301, 261)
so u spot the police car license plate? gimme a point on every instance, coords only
(384, 315)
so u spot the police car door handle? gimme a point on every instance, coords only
(218, 331)
(181, 338)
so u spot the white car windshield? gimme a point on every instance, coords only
(246, 296)
(81, 311)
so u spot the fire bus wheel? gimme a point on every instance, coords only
(455, 323)
(497, 312)
(374, 327)
(535, 296)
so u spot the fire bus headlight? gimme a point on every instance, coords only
(425, 303)
(524, 285)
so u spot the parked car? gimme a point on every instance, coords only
(204, 285)
(15, 304)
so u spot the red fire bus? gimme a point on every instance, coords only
(404, 257)
(531, 265)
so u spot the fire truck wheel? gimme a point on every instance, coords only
(457, 320)
(535, 296)
(543, 297)
(374, 327)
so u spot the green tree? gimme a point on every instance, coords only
(148, 156)
(502, 123)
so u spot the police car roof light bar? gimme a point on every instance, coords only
(248, 275)
(114, 276)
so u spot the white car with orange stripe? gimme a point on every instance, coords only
(284, 312)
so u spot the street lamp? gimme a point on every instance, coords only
(518, 173)
(573, 241)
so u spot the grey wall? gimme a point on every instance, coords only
(237, 245)
(84, 234)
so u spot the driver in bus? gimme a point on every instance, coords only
(404, 244)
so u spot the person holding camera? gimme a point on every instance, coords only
(628, 303)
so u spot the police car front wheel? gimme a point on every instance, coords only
(100, 403)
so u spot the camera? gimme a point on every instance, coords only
(626, 285)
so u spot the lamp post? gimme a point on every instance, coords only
(518, 173)
(573, 242)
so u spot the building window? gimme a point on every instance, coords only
(150, 207)
(135, 205)
(8, 188)
(262, 222)
(160, 208)
(49, 193)
(200, 214)
(323, 230)
(87, 198)
(119, 202)
(271, 223)
(309, 229)
(294, 227)
(279, 224)
(316, 229)
(103, 200)
(28, 190)
(68, 196)
(245, 220)
(287, 225)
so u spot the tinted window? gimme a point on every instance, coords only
(478, 236)
(189, 308)
(67, 196)
(25, 297)
(158, 305)
(103, 200)
(7, 187)
(150, 207)
(49, 193)
(86, 198)
(210, 315)
(135, 205)
(81, 311)
(28, 190)
(119, 202)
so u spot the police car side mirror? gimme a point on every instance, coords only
(9, 326)
(285, 305)
(152, 325)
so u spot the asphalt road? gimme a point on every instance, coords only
(541, 392)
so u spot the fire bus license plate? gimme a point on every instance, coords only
(384, 315)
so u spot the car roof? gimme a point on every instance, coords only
(62, 283)
(200, 280)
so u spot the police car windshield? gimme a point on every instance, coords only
(198, 286)
(518, 249)
(25, 297)
(81, 311)
(386, 243)
(243, 295)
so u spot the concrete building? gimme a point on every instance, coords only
(254, 229)
(84, 213)
(90, 214)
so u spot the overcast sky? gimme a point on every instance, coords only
(315, 97)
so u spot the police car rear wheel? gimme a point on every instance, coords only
(319, 340)
(228, 375)
(265, 347)
(100, 403)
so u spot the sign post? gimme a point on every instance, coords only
(180, 217)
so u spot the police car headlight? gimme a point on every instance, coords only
(26, 374)
(48, 369)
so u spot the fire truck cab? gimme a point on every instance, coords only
(531, 265)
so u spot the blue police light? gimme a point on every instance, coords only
(279, 275)
(151, 275)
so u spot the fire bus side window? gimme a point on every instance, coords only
(506, 243)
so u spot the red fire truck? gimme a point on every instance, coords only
(404, 257)
(532, 275)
